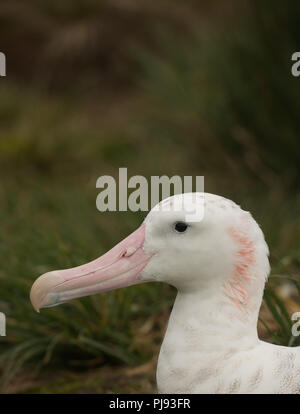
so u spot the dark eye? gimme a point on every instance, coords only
(180, 227)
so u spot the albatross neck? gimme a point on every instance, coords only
(209, 321)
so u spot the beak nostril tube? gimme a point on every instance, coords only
(129, 251)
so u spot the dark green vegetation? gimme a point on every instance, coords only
(197, 93)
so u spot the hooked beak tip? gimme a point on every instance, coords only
(39, 294)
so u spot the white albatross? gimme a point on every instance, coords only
(219, 266)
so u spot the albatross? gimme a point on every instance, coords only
(219, 266)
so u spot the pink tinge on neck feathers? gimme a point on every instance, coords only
(236, 288)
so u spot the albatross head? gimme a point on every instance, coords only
(224, 252)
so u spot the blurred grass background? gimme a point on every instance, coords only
(185, 88)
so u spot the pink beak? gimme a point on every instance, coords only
(119, 267)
